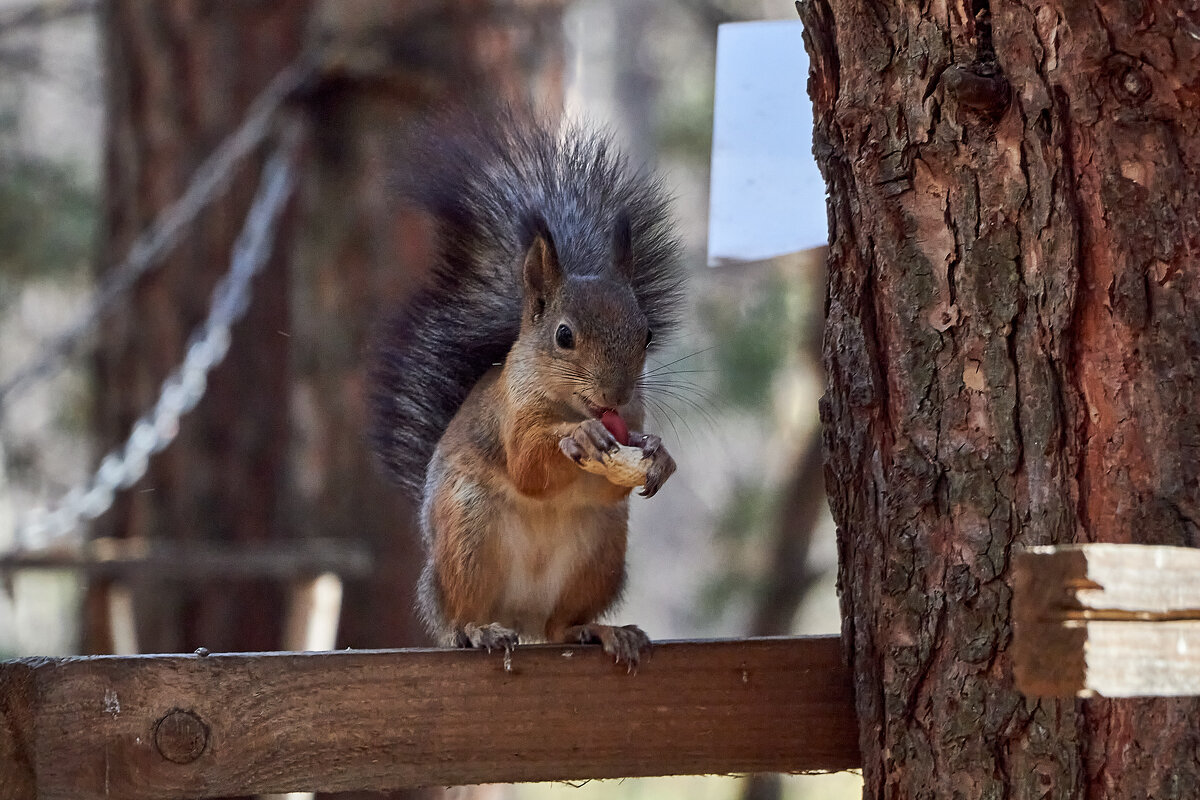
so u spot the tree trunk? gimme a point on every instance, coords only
(177, 85)
(1013, 359)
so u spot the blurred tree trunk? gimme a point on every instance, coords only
(1013, 359)
(636, 85)
(802, 499)
(177, 85)
(276, 449)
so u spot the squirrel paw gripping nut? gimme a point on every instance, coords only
(594, 448)
(659, 464)
(626, 466)
(644, 463)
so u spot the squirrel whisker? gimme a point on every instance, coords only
(690, 388)
(665, 381)
(664, 413)
(704, 413)
(660, 367)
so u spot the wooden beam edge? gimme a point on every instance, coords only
(18, 692)
(1047, 653)
(161, 560)
(1151, 580)
(379, 720)
(1141, 659)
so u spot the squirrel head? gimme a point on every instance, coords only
(586, 333)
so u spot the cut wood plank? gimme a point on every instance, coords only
(193, 727)
(1107, 619)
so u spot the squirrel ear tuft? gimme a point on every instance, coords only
(542, 272)
(623, 245)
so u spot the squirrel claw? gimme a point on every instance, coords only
(625, 643)
(662, 466)
(571, 449)
(589, 440)
(492, 636)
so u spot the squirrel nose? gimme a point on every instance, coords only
(615, 396)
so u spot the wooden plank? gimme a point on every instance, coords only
(142, 559)
(218, 725)
(1107, 619)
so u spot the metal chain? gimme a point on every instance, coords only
(181, 391)
(209, 179)
(41, 13)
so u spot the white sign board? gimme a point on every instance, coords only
(767, 197)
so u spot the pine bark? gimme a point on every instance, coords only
(1012, 358)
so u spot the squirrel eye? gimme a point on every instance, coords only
(564, 338)
(649, 337)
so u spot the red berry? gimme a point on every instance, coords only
(616, 426)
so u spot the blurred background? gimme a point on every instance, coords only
(260, 521)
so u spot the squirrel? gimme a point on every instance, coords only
(556, 270)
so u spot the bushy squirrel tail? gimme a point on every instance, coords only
(489, 182)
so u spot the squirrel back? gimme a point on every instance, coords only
(490, 184)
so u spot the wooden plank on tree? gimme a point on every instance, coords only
(206, 726)
(1107, 619)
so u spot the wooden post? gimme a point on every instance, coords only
(144, 728)
(314, 606)
(1107, 619)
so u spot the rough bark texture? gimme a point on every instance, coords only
(1013, 358)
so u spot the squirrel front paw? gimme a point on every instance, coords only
(625, 643)
(661, 466)
(589, 441)
(644, 463)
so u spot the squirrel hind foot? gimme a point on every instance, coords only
(492, 636)
(625, 643)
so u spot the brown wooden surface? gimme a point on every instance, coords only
(1113, 620)
(158, 727)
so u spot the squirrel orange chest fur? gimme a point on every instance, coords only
(519, 535)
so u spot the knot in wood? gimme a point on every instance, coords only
(1128, 79)
(980, 88)
(180, 736)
